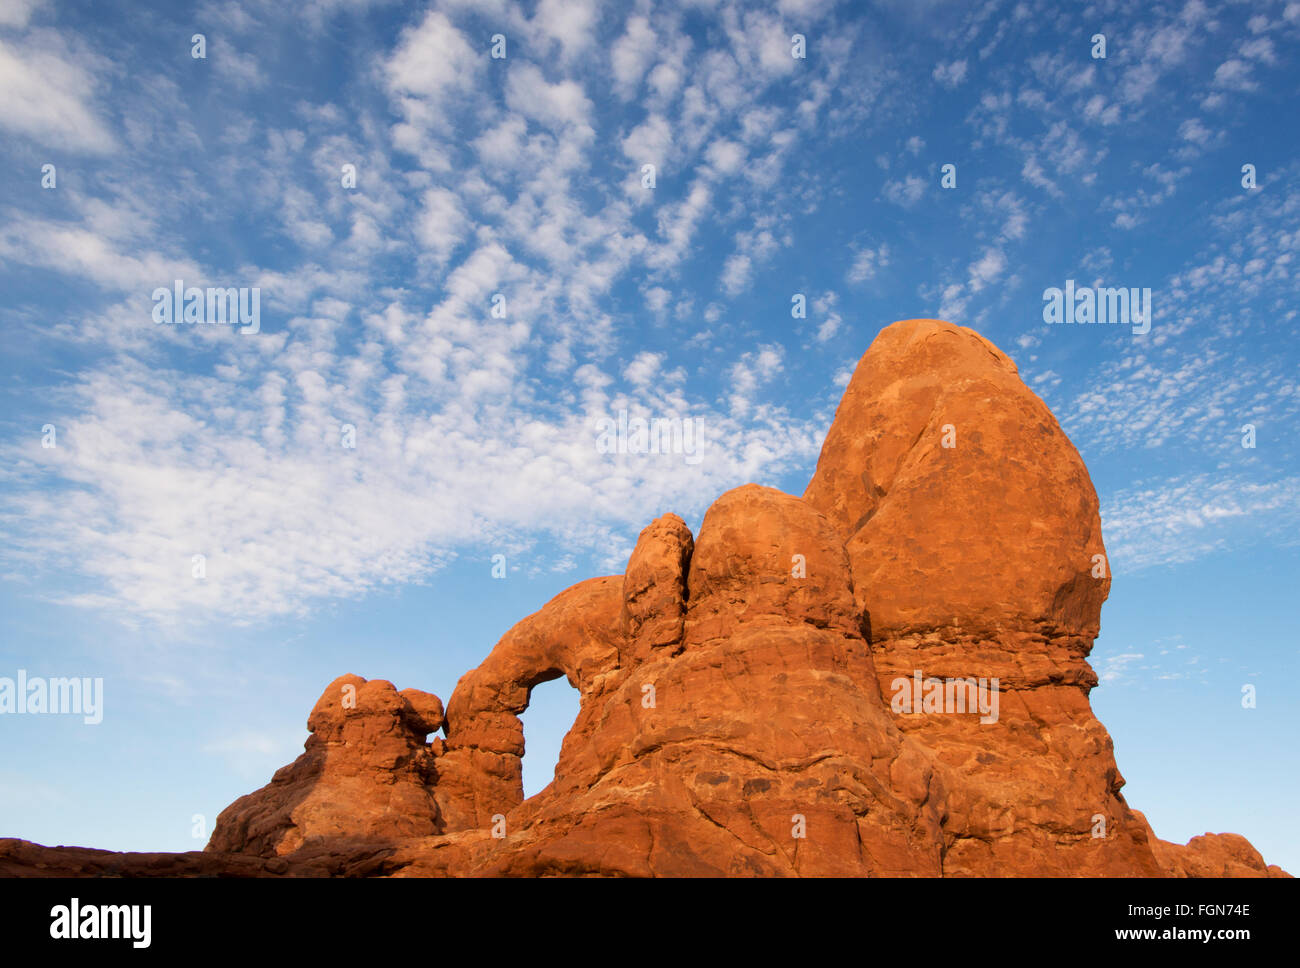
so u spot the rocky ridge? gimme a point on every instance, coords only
(760, 698)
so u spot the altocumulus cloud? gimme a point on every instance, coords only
(522, 177)
(471, 431)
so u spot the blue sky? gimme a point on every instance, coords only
(474, 433)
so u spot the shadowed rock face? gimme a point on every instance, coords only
(742, 690)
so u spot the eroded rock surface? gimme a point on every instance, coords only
(975, 541)
(708, 758)
(1210, 855)
(366, 774)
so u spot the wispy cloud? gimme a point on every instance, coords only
(1184, 519)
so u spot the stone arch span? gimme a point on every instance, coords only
(577, 635)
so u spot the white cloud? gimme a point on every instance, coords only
(656, 298)
(240, 68)
(725, 156)
(117, 264)
(1097, 109)
(252, 473)
(752, 371)
(759, 42)
(1033, 173)
(433, 58)
(950, 74)
(867, 262)
(677, 225)
(559, 105)
(952, 306)
(16, 13)
(1234, 75)
(1189, 517)
(569, 22)
(632, 55)
(47, 95)
(643, 369)
(503, 146)
(987, 268)
(736, 273)
(829, 327)
(1260, 49)
(905, 192)
(649, 142)
(433, 67)
(442, 224)
(1115, 668)
(1194, 131)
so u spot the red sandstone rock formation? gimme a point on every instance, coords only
(974, 535)
(741, 690)
(366, 774)
(1210, 855)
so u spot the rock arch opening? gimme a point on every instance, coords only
(552, 709)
